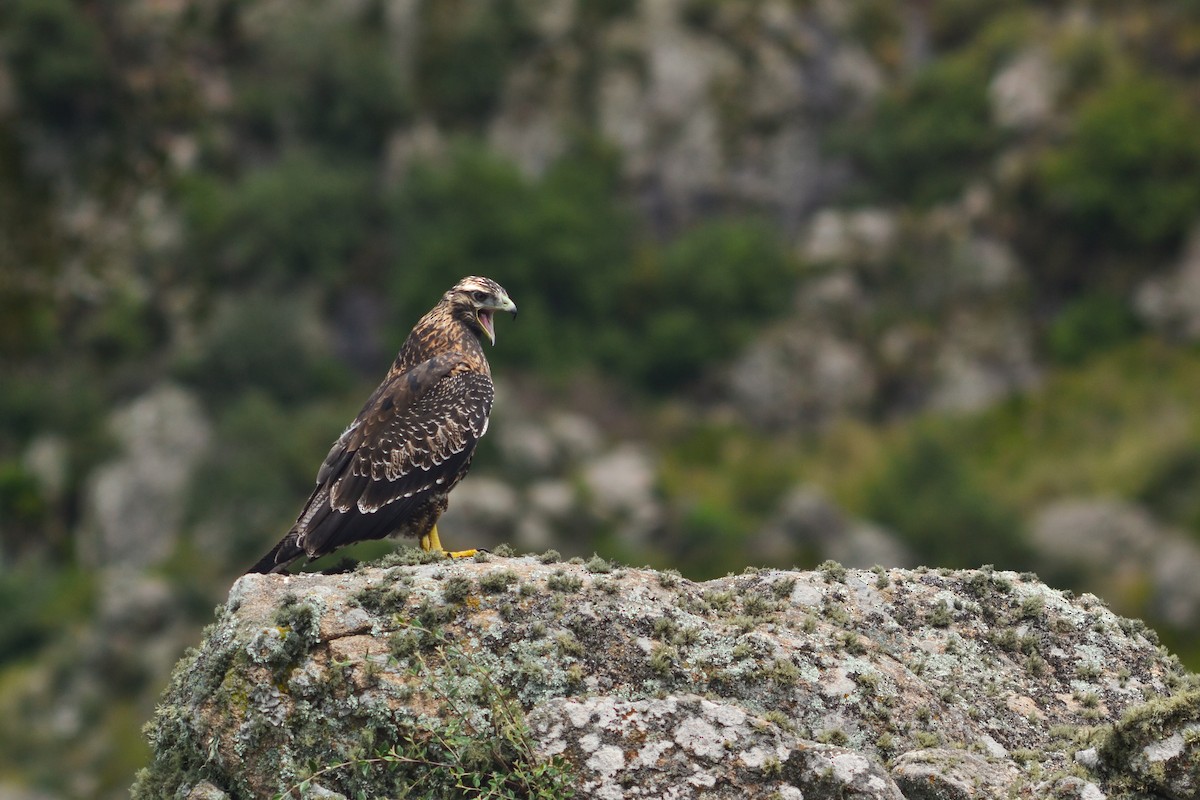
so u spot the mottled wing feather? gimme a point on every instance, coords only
(413, 440)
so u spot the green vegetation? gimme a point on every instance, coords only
(317, 77)
(1116, 195)
(302, 218)
(463, 54)
(592, 289)
(928, 136)
(59, 63)
(1124, 176)
(925, 494)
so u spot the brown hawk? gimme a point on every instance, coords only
(392, 469)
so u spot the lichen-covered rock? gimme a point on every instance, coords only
(942, 774)
(525, 675)
(1159, 745)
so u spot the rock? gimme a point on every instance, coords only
(483, 512)
(1071, 788)
(1159, 744)
(825, 771)
(575, 436)
(856, 73)
(420, 142)
(47, 459)
(619, 487)
(632, 683)
(808, 522)
(801, 376)
(9, 791)
(941, 774)
(1120, 545)
(1023, 92)
(206, 791)
(547, 445)
(134, 504)
(865, 235)
(981, 360)
(530, 126)
(1170, 303)
(655, 747)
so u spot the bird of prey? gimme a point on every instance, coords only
(392, 469)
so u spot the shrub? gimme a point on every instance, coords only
(566, 249)
(301, 218)
(1126, 176)
(463, 55)
(927, 495)
(39, 602)
(259, 471)
(58, 63)
(259, 343)
(926, 137)
(1091, 324)
(1170, 489)
(561, 246)
(321, 77)
(701, 298)
(22, 507)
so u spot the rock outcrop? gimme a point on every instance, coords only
(520, 675)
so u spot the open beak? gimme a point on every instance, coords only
(503, 303)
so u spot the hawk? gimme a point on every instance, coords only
(393, 468)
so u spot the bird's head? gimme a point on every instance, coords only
(474, 300)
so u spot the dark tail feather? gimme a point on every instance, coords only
(280, 556)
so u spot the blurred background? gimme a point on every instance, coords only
(907, 283)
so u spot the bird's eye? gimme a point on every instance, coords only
(479, 296)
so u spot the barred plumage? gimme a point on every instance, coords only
(390, 472)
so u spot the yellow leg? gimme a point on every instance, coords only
(431, 541)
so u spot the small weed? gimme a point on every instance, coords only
(1032, 606)
(596, 564)
(757, 606)
(852, 644)
(497, 581)
(560, 581)
(497, 760)
(835, 736)
(927, 739)
(665, 628)
(456, 589)
(833, 572)
(778, 719)
(669, 578)
(568, 645)
(662, 659)
(940, 617)
(606, 586)
(720, 601)
(782, 588)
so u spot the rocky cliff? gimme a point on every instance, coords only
(525, 677)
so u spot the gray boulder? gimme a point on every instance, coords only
(1170, 303)
(809, 522)
(1121, 545)
(134, 504)
(621, 683)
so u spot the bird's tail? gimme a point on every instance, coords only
(282, 554)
